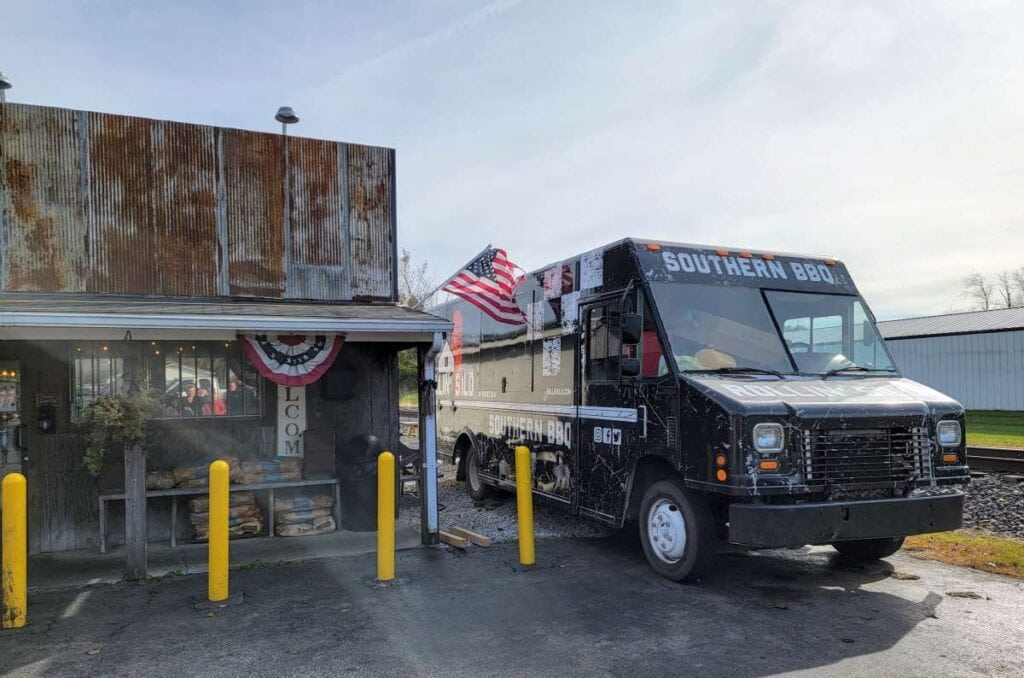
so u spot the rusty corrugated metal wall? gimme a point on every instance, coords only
(101, 203)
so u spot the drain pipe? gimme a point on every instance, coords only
(428, 439)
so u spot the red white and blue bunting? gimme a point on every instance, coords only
(291, 359)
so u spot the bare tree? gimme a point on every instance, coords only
(1005, 289)
(1018, 285)
(415, 281)
(978, 290)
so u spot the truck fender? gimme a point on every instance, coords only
(646, 470)
(465, 441)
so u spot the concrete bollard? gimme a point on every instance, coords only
(524, 506)
(217, 581)
(15, 552)
(385, 516)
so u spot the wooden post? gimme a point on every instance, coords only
(135, 513)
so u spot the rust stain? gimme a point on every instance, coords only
(41, 234)
(115, 204)
(120, 149)
(371, 173)
(254, 183)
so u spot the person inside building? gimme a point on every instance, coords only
(191, 403)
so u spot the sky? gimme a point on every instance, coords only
(887, 134)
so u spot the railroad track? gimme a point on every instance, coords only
(995, 459)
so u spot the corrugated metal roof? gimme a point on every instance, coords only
(954, 323)
(52, 310)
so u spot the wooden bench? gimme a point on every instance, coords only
(193, 491)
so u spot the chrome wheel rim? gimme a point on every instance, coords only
(666, 531)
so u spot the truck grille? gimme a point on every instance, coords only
(865, 456)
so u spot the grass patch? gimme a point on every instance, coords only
(986, 428)
(984, 552)
(410, 399)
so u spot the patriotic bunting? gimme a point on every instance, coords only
(291, 359)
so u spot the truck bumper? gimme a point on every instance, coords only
(778, 525)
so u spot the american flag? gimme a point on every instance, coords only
(488, 282)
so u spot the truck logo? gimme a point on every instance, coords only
(604, 435)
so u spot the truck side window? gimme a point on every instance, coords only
(603, 343)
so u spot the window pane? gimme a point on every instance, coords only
(250, 387)
(173, 390)
(220, 386)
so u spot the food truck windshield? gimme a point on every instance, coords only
(731, 328)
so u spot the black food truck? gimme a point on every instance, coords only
(707, 394)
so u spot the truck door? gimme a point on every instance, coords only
(607, 413)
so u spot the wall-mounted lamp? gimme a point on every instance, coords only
(286, 116)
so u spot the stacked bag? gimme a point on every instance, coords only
(244, 516)
(300, 516)
(199, 476)
(282, 468)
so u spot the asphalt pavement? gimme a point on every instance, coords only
(590, 607)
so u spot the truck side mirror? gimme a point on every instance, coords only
(632, 327)
(629, 367)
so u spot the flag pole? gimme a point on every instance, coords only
(449, 278)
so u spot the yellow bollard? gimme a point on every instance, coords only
(386, 516)
(15, 552)
(524, 503)
(217, 581)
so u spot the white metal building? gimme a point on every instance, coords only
(977, 357)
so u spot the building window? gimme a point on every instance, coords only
(97, 368)
(190, 380)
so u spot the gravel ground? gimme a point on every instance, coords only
(496, 519)
(995, 503)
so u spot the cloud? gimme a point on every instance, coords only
(887, 134)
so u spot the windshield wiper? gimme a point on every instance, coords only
(854, 368)
(741, 370)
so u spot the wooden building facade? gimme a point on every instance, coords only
(141, 256)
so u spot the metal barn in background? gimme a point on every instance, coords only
(977, 357)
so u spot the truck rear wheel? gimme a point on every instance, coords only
(474, 483)
(677, 530)
(869, 549)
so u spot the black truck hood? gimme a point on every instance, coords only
(838, 396)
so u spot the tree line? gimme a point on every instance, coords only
(1003, 290)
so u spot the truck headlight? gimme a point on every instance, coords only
(949, 433)
(768, 437)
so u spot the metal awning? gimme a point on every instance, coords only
(40, 316)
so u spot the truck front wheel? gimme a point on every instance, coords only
(474, 483)
(677, 530)
(869, 549)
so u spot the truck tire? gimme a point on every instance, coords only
(869, 549)
(478, 490)
(677, 530)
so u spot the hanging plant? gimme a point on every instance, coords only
(113, 422)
